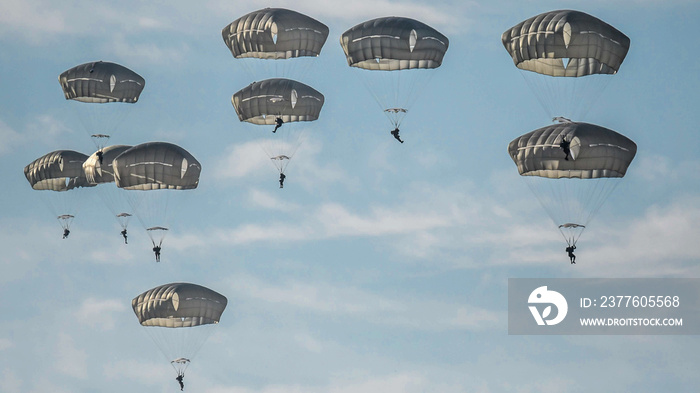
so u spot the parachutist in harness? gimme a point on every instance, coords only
(565, 146)
(179, 379)
(282, 177)
(156, 250)
(395, 133)
(100, 155)
(572, 257)
(124, 235)
(279, 122)
(66, 232)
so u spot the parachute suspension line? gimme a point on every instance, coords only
(540, 195)
(599, 194)
(570, 97)
(281, 147)
(369, 86)
(100, 120)
(182, 342)
(65, 220)
(571, 201)
(258, 69)
(575, 235)
(151, 209)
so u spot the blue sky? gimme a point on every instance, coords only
(381, 267)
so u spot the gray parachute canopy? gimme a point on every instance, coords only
(263, 102)
(179, 305)
(596, 152)
(156, 165)
(98, 173)
(393, 43)
(101, 82)
(61, 170)
(542, 43)
(275, 33)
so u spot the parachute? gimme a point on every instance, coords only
(149, 173)
(263, 103)
(572, 191)
(60, 171)
(100, 87)
(567, 58)
(101, 172)
(403, 50)
(275, 34)
(179, 317)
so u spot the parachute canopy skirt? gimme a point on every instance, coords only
(101, 82)
(179, 305)
(595, 152)
(156, 165)
(393, 43)
(544, 42)
(275, 33)
(60, 170)
(263, 102)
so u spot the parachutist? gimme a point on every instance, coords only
(179, 379)
(156, 250)
(395, 133)
(279, 122)
(572, 257)
(124, 235)
(66, 232)
(565, 146)
(282, 177)
(100, 155)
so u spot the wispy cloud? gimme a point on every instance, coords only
(141, 52)
(99, 313)
(660, 243)
(148, 374)
(44, 129)
(241, 160)
(403, 382)
(9, 138)
(70, 360)
(252, 158)
(352, 302)
(5, 343)
(31, 19)
(269, 201)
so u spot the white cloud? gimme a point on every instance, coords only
(266, 200)
(309, 343)
(99, 313)
(250, 233)
(138, 52)
(414, 313)
(241, 160)
(660, 243)
(359, 11)
(252, 159)
(9, 138)
(46, 128)
(32, 18)
(147, 374)
(403, 382)
(43, 129)
(70, 360)
(5, 344)
(11, 383)
(663, 170)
